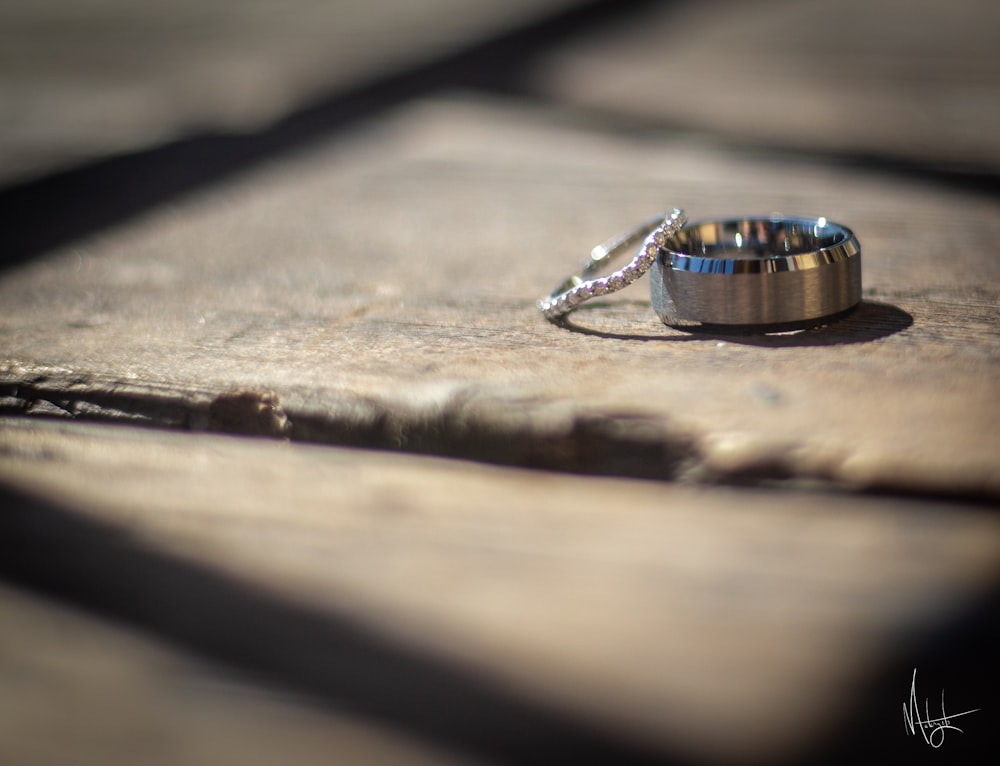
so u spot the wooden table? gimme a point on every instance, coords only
(292, 468)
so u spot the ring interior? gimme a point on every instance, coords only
(750, 238)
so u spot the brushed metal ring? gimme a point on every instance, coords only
(760, 274)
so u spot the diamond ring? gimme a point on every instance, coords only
(579, 287)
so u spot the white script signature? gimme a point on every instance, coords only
(931, 729)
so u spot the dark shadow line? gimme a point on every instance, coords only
(981, 179)
(870, 321)
(605, 444)
(45, 213)
(329, 657)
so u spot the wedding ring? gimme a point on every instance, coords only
(762, 273)
(579, 287)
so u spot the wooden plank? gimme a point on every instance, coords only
(888, 81)
(76, 690)
(655, 614)
(379, 290)
(83, 80)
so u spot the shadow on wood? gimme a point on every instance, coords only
(336, 662)
(44, 213)
(870, 321)
(327, 657)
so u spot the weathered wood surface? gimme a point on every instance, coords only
(890, 81)
(85, 79)
(361, 271)
(380, 290)
(460, 605)
(77, 690)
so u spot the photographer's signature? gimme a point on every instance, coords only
(931, 729)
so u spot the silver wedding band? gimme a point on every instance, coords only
(757, 273)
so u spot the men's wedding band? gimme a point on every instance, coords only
(582, 286)
(758, 273)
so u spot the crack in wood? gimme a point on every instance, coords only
(625, 445)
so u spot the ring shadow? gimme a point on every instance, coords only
(869, 321)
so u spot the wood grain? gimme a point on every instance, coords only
(79, 690)
(894, 82)
(361, 271)
(83, 81)
(379, 291)
(654, 614)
